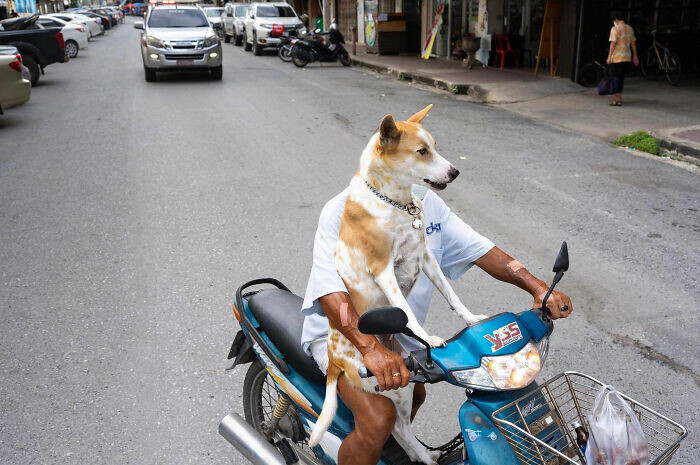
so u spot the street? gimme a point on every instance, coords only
(131, 211)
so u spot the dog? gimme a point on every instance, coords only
(380, 252)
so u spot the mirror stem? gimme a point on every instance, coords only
(429, 358)
(557, 278)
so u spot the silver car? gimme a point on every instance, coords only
(179, 38)
(233, 18)
(214, 16)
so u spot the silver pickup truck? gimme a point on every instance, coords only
(232, 18)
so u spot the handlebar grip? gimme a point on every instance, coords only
(364, 372)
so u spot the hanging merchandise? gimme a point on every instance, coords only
(482, 29)
(433, 32)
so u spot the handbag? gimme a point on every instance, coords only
(609, 85)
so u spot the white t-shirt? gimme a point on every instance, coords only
(455, 245)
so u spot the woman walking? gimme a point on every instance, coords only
(623, 50)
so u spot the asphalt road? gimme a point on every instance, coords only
(131, 211)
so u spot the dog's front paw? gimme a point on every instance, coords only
(474, 319)
(436, 341)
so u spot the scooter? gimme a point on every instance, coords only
(507, 418)
(305, 51)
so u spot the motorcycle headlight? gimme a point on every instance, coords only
(210, 41)
(504, 372)
(154, 42)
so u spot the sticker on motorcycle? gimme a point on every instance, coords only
(504, 336)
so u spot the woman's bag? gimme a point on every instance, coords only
(608, 85)
(615, 436)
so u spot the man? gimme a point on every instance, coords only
(622, 39)
(456, 247)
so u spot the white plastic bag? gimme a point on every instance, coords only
(615, 437)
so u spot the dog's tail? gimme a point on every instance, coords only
(330, 405)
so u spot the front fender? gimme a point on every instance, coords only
(484, 442)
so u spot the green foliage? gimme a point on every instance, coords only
(640, 140)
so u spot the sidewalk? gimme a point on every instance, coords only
(669, 113)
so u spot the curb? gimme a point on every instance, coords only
(402, 75)
(676, 144)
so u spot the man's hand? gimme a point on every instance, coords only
(635, 60)
(384, 363)
(555, 303)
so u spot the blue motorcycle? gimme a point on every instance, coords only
(507, 418)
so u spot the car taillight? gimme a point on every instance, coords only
(17, 64)
(79, 28)
(61, 42)
(277, 30)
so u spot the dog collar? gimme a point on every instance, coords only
(410, 208)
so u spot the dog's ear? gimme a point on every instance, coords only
(418, 117)
(389, 134)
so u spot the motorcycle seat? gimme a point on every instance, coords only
(279, 314)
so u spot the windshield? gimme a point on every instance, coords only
(241, 10)
(271, 11)
(214, 12)
(173, 17)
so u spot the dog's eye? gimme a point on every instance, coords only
(422, 150)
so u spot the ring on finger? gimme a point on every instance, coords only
(396, 375)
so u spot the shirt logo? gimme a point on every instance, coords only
(504, 336)
(432, 228)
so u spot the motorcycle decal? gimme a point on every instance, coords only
(503, 336)
(288, 388)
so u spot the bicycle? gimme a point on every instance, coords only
(592, 73)
(659, 58)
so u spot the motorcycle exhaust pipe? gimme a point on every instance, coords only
(251, 444)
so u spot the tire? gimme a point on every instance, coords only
(247, 46)
(285, 53)
(239, 40)
(34, 72)
(257, 48)
(591, 74)
(650, 65)
(345, 58)
(674, 71)
(298, 60)
(217, 73)
(227, 38)
(72, 48)
(149, 74)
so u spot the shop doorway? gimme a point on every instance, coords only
(522, 21)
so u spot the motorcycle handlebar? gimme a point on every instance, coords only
(365, 373)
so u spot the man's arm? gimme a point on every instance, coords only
(503, 267)
(635, 58)
(382, 362)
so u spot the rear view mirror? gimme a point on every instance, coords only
(138, 25)
(562, 261)
(383, 320)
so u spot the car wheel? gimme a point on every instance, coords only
(150, 74)
(30, 62)
(71, 48)
(239, 40)
(217, 73)
(227, 38)
(247, 46)
(257, 48)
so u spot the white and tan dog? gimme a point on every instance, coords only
(380, 251)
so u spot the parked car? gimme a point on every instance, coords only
(179, 38)
(75, 36)
(214, 16)
(113, 20)
(14, 88)
(266, 22)
(106, 24)
(233, 20)
(94, 25)
(38, 46)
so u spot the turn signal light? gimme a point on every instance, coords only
(235, 312)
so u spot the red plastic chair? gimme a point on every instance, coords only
(503, 49)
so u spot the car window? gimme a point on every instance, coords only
(271, 11)
(241, 10)
(214, 12)
(49, 22)
(177, 18)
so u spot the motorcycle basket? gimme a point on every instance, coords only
(538, 424)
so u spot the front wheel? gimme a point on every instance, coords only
(227, 38)
(650, 65)
(257, 48)
(673, 69)
(247, 46)
(217, 73)
(149, 74)
(285, 53)
(345, 58)
(72, 48)
(239, 40)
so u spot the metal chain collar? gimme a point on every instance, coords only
(410, 208)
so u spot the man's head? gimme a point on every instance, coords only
(617, 16)
(409, 154)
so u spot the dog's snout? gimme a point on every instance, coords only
(453, 173)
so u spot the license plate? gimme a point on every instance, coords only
(185, 62)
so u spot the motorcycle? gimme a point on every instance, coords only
(305, 51)
(507, 418)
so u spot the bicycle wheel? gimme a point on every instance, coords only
(591, 74)
(650, 65)
(673, 69)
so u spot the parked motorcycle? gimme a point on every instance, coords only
(507, 418)
(305, 51)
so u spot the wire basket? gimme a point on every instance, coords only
(538, 424)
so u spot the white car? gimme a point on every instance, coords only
(233, 19)
(94, 25)
(75, 35)
(14, 88)
(267, 22)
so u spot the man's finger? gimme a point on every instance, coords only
(396, 380)
(405, 375)
(381, 380)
